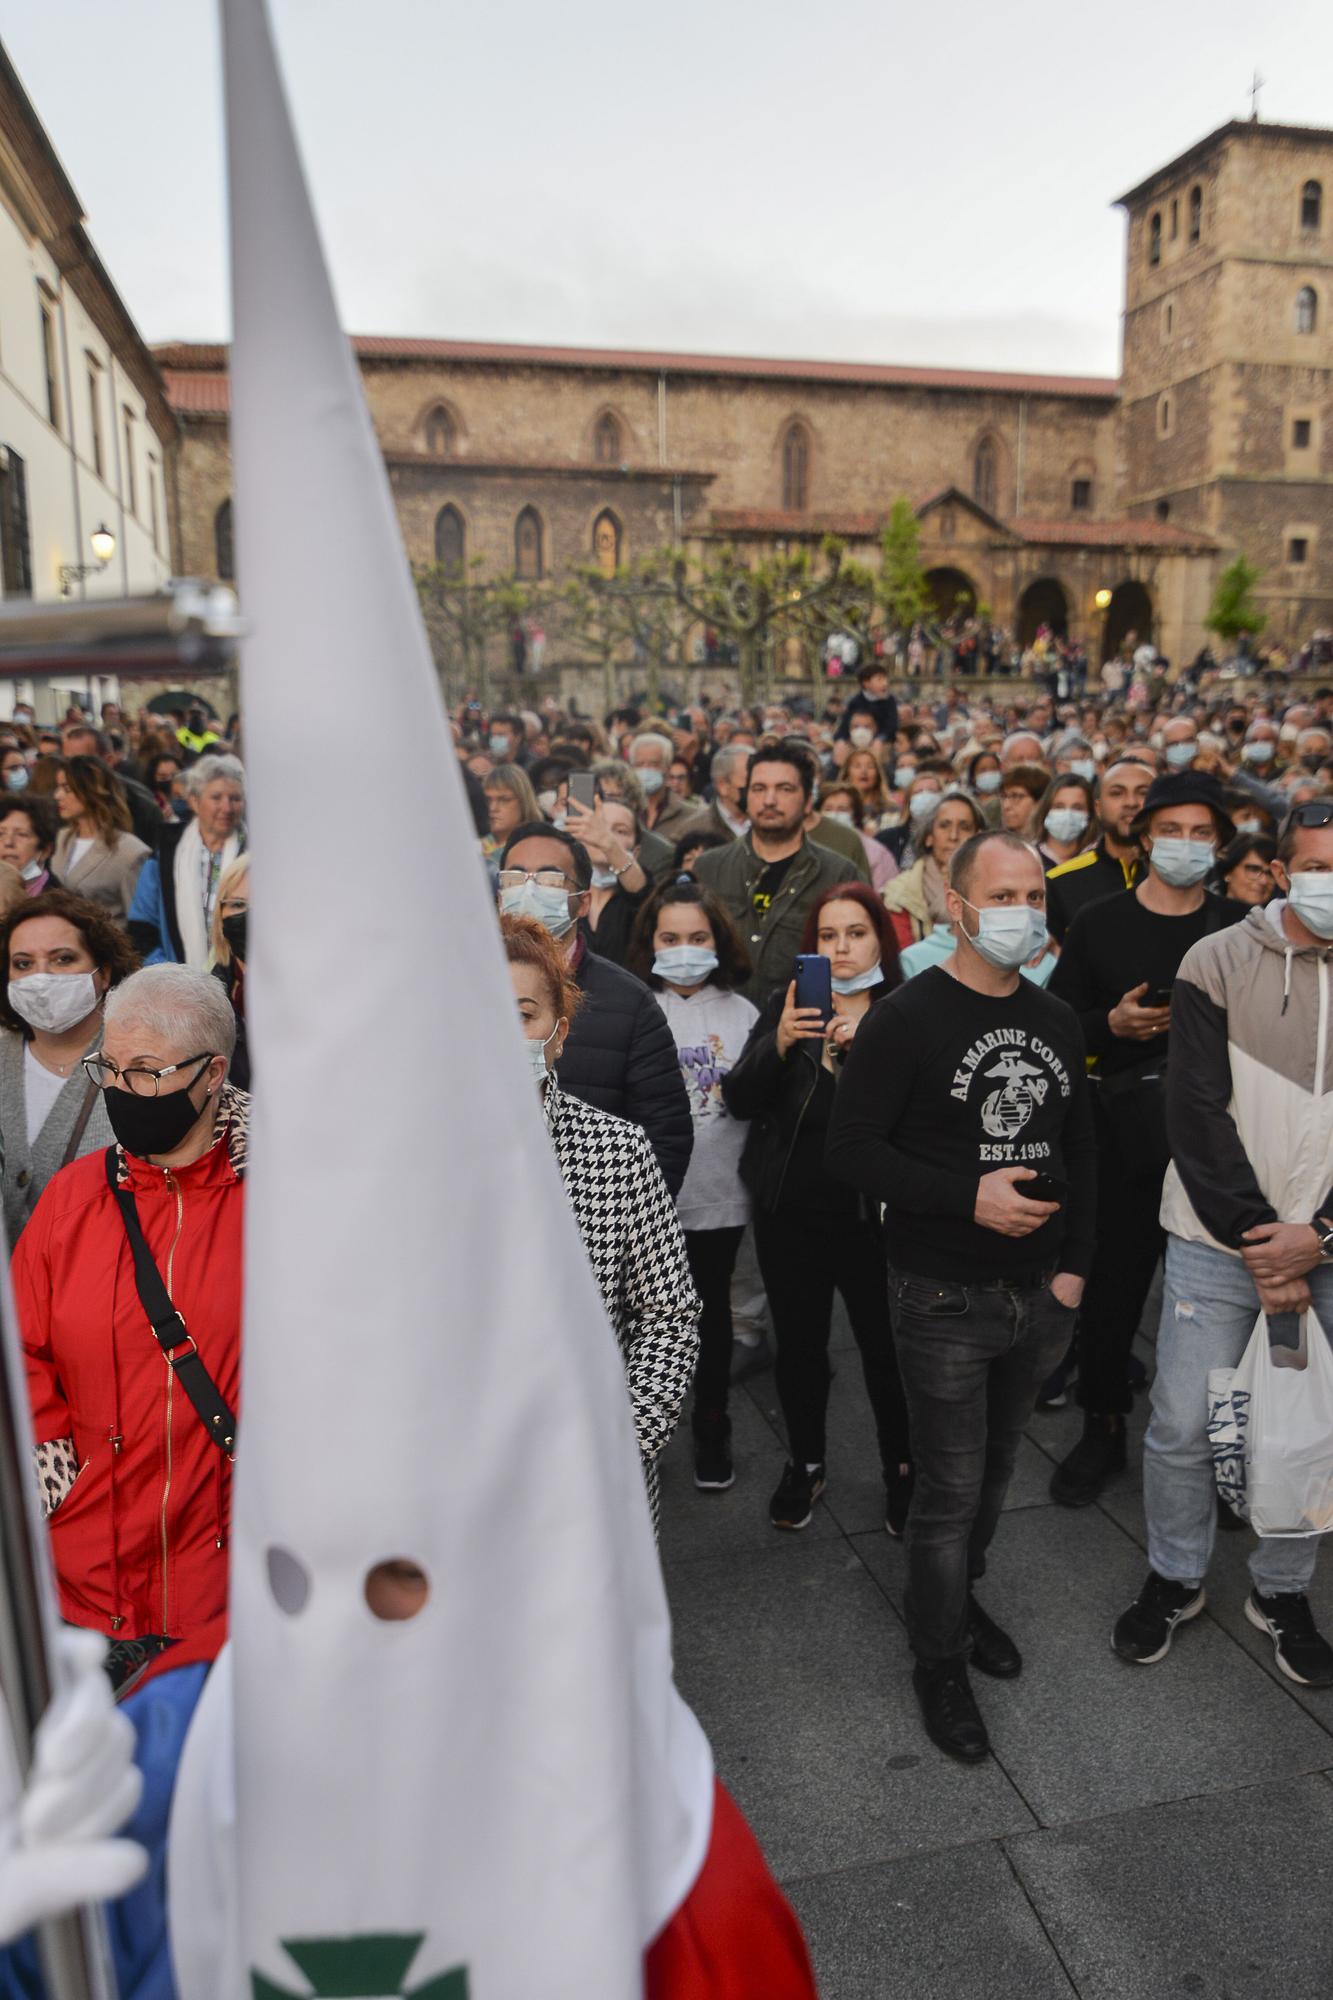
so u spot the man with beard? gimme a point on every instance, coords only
(1114, 862)
(769, 879)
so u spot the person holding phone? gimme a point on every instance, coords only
(686, 947)
(961, 1088)
(609, 830)
(812, 1233)
(1117, 969)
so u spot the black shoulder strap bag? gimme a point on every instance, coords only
(169, 1329)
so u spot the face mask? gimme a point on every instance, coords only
(150, 1126)
(1084, 767)
(860, 981)
(537, 1055)
(1257, 753)
(1066, 822)
(904, 774)
(685, 964)
(1181, 755)
(53, 1000)
(1008, 937)
(922, 803)
(649, 777)
(549, 906)
(1182, 863)
(234, 931)
(604, 878)
(862, 738)
(546, 800)
(988, 781)
(1311, 897)
(498, 746)
(1249, 826)
(839, 819)
(32, 869)
(17, 779)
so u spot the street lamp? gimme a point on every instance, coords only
(103, 544)
(1102, 599)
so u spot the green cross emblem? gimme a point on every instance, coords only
(373, 1967)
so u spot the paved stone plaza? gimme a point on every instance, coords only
(1138, 1832)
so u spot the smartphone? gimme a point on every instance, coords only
(814, 983)
(583, 789)
(1157, 996)
(1043, 1187)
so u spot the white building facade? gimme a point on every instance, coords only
(87, 437)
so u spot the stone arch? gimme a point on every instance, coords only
(530, 551)
(952, 591)
(1130, 610)
(451, 540)
(608, 541)
(1044, 602)
(439, 429)
(1307, 310)
(796, 454)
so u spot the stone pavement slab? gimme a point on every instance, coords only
(1221, 1898)
(1083, 1733)
(950, 1926)
(709, 1525)
(798, 1669)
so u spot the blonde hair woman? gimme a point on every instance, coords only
(228, 950)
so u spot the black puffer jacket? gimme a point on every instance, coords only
(620, 1056)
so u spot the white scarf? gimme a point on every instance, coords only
(188, 873)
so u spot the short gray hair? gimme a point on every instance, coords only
(189, 1010)
(663, 743)
(203, 771)
(621, 774)
(728, 755)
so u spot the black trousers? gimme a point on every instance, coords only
(1130, 1240)
(712, 1255)
(804, 1260)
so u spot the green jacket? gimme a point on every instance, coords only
(773, 939)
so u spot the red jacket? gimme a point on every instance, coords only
(140, 1538)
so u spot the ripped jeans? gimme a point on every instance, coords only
(1209, 1306)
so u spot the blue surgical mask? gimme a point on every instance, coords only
(860, 982)
(650, 778)
(1257, 753)
(685, 964)
(498, 746)
(1066, 822)
(604, 878)
(988, 781)
(537, 1055)
(839, 819)
(922, 803)
(1311, 897)
(1182, 863)
(549, 906)
(1249, 826)
(1181, 755)
(17, 779)
(904, 774)
(1084, 767)
(1010, 936)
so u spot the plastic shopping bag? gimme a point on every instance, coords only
(1271, 1431)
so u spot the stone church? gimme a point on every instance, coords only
(1093, 505)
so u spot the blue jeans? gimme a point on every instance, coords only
(1209, 1306)
(972, 1358)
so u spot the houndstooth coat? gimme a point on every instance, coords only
(634, 1243)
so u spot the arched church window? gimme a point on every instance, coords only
(985, 471)
(529, 564)
(796, 469)
(450, 541)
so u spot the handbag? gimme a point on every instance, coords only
(169, 1329)
(1270, 1430)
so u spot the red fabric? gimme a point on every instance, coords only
(903, 930)
(95, 1372)
(735, 1937)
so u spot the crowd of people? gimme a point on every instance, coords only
(966, 1011)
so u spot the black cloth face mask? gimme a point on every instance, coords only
(233, 930)
(151, 1126)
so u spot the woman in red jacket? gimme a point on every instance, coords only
(137, 1489)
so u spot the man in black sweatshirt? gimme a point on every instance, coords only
(960, 1088)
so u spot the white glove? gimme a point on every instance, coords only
(55, 1845)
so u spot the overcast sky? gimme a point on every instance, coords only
(866, 181)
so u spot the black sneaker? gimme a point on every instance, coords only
(797, 1492)
(713, 1470)
(1144, 1633)
(1078, 1480)
(1300, 1650)
(993, 1651)
(898, 1500)
(952, 1718)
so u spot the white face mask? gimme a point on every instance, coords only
(1066, 822)
(54, 1001)
(839, 819)
(1257, 753)
(1009, 936)
(862, 738)
(1311, 897)
(550, 907)
(32, 869)
(988, 781)
(604, 878)
(860, 982)
(922, 803)
(650, 778)
(1182, 863)
(537, 1055)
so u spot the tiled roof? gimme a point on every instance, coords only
(188, 356)
(1111, 534)
(194, 394)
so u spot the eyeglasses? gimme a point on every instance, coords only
(545, 878)
(1319, 812)
(143, 1082)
